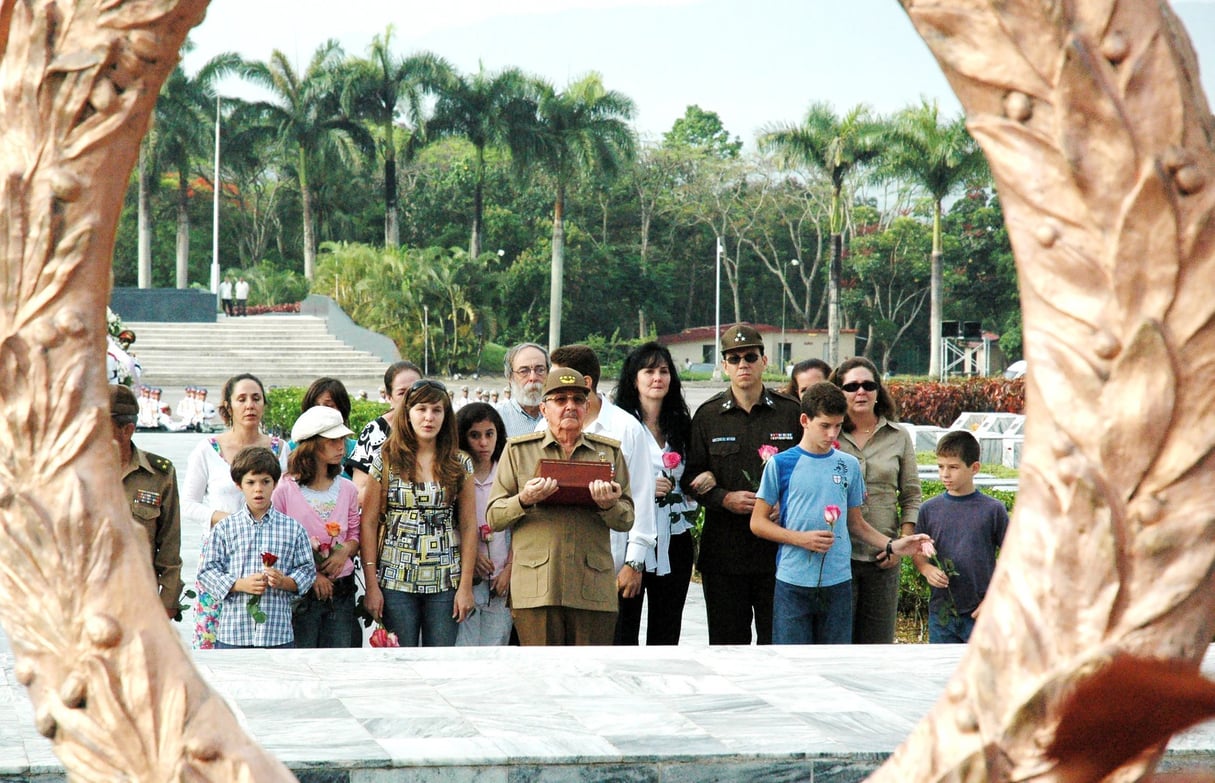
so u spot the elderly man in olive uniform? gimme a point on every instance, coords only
(738, 569)
(563, 586)
(150, 484)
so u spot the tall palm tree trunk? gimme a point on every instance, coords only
(183, 230)
(558, 272)
(935, 297)
(474, 242)
(392, 220)
(833, 299)
(145, 220)
(309, 238)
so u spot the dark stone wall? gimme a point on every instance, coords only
(171, 305)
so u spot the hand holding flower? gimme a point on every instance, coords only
(662, 485)
(380, 637)
(818, 541)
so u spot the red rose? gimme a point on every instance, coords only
(671, 460)
(268, 559)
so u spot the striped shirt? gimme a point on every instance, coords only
(233, 551)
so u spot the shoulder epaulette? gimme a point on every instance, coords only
(596, 437)
(537, 435)
(160, 463)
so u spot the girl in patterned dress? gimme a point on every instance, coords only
(416, 553)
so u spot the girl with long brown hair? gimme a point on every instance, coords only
(419, 555)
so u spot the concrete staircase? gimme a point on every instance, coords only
(282, 350)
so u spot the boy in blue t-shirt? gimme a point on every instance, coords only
(967, 527)
(813, 485)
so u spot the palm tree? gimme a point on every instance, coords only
(182, 129)
(306, 117)
(835, 146)
(940, 158)
(486, 109)
(580, 130)
(382, 88)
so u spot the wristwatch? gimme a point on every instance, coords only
(636, 565)
(890, 548)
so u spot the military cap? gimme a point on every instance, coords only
(565, 379)
(741, 336)
(122, 401)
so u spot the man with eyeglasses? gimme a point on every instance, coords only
(738, 569)
(563, 586)
(526, 368)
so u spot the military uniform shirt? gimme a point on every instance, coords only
(150, 484)
(562, 554)
(726, 440)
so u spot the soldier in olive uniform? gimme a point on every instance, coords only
(150, 484)
(563, 586)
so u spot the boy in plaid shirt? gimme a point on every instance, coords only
(256, 551)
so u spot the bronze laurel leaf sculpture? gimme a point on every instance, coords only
(1100, 140)
(110, 682)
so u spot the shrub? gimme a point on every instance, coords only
(913, 588)
(283, 408)
(939, 404)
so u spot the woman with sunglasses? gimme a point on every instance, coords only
(415, 553)
(892, 503)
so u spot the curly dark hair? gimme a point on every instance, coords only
(674, 418)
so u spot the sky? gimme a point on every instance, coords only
(754, 62)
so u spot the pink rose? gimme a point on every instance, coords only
(381, 638)
(767, 452)
(831, 514)
(671, 460)
(487, 533)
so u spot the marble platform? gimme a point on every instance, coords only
(689, 714)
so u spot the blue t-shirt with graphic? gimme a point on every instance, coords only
(804, 484)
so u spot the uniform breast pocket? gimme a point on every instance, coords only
(598, 583)
(528, 576)
(146, 516)
(725, 448)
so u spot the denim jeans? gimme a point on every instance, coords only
(326, 624)
(224, 646)
(407, 614)
(954, 629)
(812, 615)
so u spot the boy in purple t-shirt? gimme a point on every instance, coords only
(967, 528)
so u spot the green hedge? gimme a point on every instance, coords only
(913, 588)
(283, 408)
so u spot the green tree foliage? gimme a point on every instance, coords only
(638, 231)
(702, 131)
(836, 146)
(939, 157)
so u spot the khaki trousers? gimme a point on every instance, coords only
(551, 626)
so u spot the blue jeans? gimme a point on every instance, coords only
(954, 629)
(407, 614)
(325, 623)
(812, 615)
(224, 646)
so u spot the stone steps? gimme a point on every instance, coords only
(282, 350)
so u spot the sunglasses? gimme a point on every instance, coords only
(857, 385)
(749, 358)
(425, 383)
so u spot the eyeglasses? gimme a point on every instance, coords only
(855, 385)
(561, 400)
(749, 358)
(539, 370)
(425, 383)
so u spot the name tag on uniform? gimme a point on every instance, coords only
(147, 497)
(724, 439)
(781, 436)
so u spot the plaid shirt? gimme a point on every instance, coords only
(233, 551)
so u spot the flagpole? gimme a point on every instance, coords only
(215, 210)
